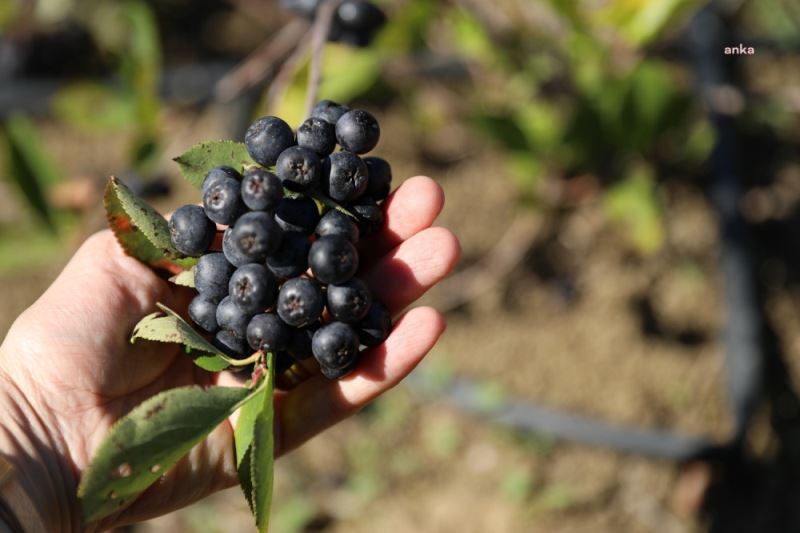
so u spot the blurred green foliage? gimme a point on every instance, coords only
(561, 88)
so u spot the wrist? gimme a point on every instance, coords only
(34, 490)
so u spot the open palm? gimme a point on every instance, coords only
(69, 371)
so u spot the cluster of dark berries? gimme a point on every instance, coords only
(257, 293)
(355, 22)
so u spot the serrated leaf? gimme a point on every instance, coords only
(172, 328)
(243, 439)
(148, 441)
(200, 158)
(262, 454)
(184, 279)
(140, 230)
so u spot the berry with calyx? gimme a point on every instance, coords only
(379, 178)
(291, 259)
(203, 312)
(370, 215)
(261, 190)
(374, 328)
(254, 236)
(299, 346)
(297, 214)
(231, 317)
(267, 332)
(349, 301)
(300, 301)
(298, 168)
(346, 176)
(211, 276)
(253, 288)
(335, 345)
(333, 259)
(318, 135)
(357, 131)
(190, 230)
(222, 201)
(218, 173)
(336, 223)
(266, 138)
(329, 111)
(231, 344)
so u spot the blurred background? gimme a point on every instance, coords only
(623, 327)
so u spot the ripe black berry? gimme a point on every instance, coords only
(266, 138)
(318, 135)
(299, 346)
(291, 259)
(222, 201)
(253, 288)
(231, 317)
(349, 301)
(231, 344)
(261, 190)
(374, 328)
(357, 131)
(380, 178)
(211, 276)
(329, 111)
(252, 239)
(335, 345)
(190, 231)
(370, 215)
(333, 259)
(336, 223)
(298, 168)
(203, 312)
(300, 302)
(216, 174)
(360, 16)
(297, 214)
(346, 176)
(267, 332)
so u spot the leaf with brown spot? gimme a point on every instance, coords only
(158, 432)
(141, 231)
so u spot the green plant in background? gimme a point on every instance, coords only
(127, 31)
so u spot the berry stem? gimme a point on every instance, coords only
(319, 35)
(244, 362)
(321, 198)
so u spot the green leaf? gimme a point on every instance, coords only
(634, 205)
(172, 328)
(30, 167)
(243, 439)
(140, 230)
(148, 441)
(262, 454)
(200, 158)
(184, 279)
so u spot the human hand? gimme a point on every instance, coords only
(68, 370)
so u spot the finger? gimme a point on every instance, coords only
(410, 209)
(320, 403)
(413, 267)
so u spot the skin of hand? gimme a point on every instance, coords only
(68, 370)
